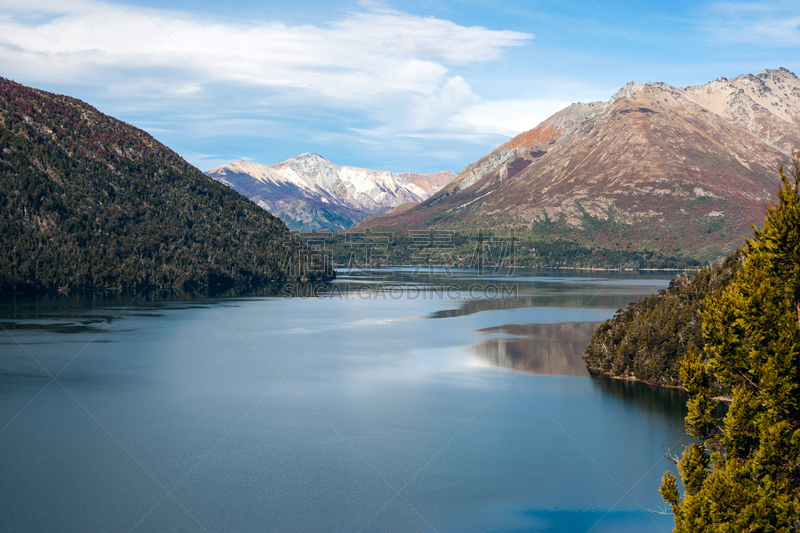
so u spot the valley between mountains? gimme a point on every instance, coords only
(657, 176)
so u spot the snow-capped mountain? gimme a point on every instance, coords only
(308, 192)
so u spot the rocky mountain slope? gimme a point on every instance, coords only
(308, 192)
(674, 170)
(89, 202)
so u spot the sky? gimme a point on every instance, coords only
(406, 86)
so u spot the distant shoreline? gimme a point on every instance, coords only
(435, 267)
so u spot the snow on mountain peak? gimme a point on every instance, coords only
(313, 178)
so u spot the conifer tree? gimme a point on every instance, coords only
(745, 476)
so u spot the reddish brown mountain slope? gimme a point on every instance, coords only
(655, 167)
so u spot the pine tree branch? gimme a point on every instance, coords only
(748, 379)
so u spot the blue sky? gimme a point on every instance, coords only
(416, 86)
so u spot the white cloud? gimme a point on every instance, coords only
(429, 38)
(774, 24)
(507, 117)
(375, 80)
(367, 60)
(481, 122)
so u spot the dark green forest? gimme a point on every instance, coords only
(743, 474)
(89, 202)
(732, 329)
(481, 249)
(647, 340)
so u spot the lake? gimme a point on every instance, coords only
(389, 400)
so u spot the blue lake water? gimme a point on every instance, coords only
(390, 402)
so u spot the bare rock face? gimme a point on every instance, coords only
(429, 184)
(676, 170)
(767, 105)
(308, 192)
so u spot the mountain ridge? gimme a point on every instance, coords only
(310, 192)
(650, 169)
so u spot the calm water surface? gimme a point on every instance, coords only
(398, 402)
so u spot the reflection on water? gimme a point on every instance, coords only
(651, 398)
(474, 294)
(538, 348)
(326, 413)
(518, 300)
(79, 312)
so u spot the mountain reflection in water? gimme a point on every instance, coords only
(554, 349)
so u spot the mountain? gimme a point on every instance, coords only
(89, 202)
(309, 192)
(673, 170)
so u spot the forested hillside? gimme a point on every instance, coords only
(89, 202)
(733, 328)
(647, 340)
(518, 249)
(744, 474)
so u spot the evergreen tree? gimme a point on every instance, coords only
(745, 476)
